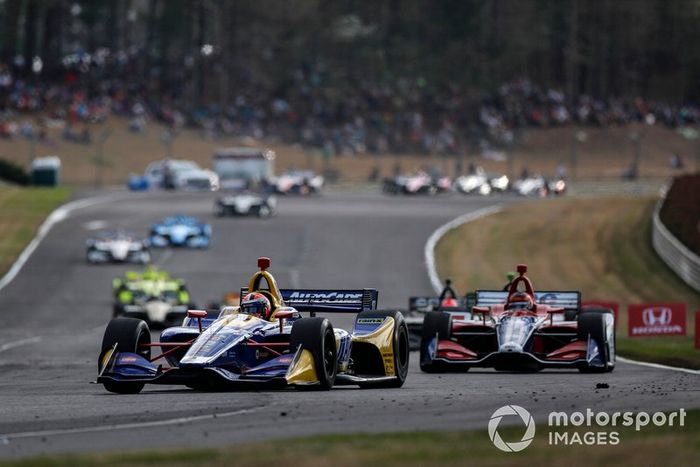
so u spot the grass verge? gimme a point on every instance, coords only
(650, 446)
(599, 246)
(22, 210)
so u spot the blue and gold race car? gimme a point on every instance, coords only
(178, 231)
(265, 340)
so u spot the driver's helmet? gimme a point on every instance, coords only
(449, 302)
(256, 304)
(519, 301)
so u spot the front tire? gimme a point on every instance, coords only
(264, 211)
(129, 334)
(592, 322)
(316, 335)
(435, 323)
(401, 348)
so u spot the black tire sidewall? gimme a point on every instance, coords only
(400, 333)
(311, 334)
(127, 333)
(592, 323)
(435, 323)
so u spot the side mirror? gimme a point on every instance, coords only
(199, 314)
(281, 315)
(284, 314)
(552, 310)
(196, 314)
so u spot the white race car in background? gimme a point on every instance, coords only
(301, 182)
(246, 203)
(418, 183)
(538, 185)
(196, 180)
(175, 174)
(117, 247)
(481, 183)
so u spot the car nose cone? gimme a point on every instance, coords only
(511, 347)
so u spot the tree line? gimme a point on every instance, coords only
(603, 48)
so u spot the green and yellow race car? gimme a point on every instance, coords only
(152, 295)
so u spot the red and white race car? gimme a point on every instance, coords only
(520, 330)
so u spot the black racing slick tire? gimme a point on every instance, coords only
(571, 315)
(264, 211)
(435, 323)
(400, 346)
(591, 322)
(129, 334)
(316, 335)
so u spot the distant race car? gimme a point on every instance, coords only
(180, 231)
(481, 183)
(246, 203)
(175, 174)
(537, 185)
(117, 247)
(419, 183)
(263, 341)
(152, 296)
(518, 330)
(448, 301)
(298, 182)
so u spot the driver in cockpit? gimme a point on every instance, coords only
(256, 304)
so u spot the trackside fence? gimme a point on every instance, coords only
(677, 256)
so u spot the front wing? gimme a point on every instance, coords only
(449, 355)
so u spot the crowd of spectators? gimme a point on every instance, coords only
(343, 116)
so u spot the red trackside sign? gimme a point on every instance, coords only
(656, 319)
(697, 329)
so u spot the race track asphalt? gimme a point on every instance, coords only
(54, 313)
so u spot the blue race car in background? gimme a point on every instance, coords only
(182, 231)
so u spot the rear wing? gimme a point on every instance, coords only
(570, 300)
(328, 300)
(431, 303)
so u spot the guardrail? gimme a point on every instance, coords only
(677, 256)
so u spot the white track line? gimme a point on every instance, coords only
(437, 285)
(12, 345)
(442, 230)
(5, 438)
(54, 218)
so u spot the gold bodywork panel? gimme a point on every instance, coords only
(303, 369)
(383, 339)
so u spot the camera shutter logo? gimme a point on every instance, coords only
(657, 316)
(527, 420)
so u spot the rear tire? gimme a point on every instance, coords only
(264, 211)
(316, 335)
(591, 322)
(435, 323)
(128, 334)
(400, 346)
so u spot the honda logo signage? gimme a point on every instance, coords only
(657, 316)
(657, 319)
